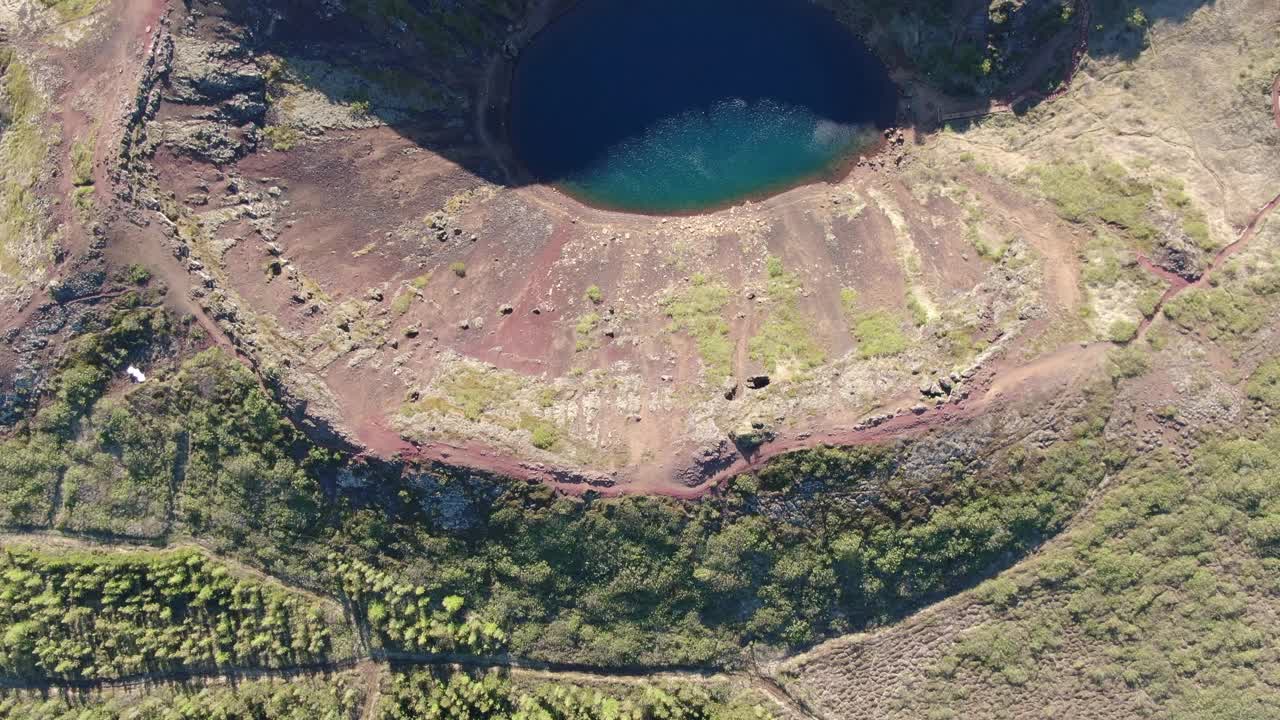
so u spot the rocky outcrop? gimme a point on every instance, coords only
(205, 72)
(1181, 257)
(208, 140)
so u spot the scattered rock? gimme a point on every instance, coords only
(729, 387)
(755, 382)
(206, 140)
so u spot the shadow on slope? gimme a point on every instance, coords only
(425, 69)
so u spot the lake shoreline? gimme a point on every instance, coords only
(495, 120)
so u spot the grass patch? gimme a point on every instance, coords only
(135, 274)
(1220, 313)
(849, 300)
(1126, 363)
(973, 233)
(542, 434)
(699, 311)
(1122, 331)
(281, 137)
(82, 198)
(1103, 260)
(82, 162)
(469, 392)
(23, 152)
(1104, 193)
(1197, 228)
(879, 334)
(585, 326)
(458, 268)
(785, 338)
(919, 313)
(960, 342)
(70, 10)
(403, 300)
(1264, 384)
(594, 294)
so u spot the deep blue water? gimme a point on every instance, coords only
(681, 105)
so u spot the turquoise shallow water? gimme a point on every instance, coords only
(705, 158)
(681, 105)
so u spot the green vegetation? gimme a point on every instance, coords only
(458, 268)
(972, 232)
(585, 325)
(542, 434)
(423, 694)
(70, 10)
(1104, 193)
(1164, 592)
(1238, 304)
(879, 334)
(919, 313)
(206, 440)
(24, 149)
(402, 301)
(1122, 331)
(281, 137)
(1264, 384)
(470, 392)
(101, 616)
(82, 162)
(436, 695)
(335, 697)
(647, 580)
(788, 556)
(1126, 363)
(784, 338)
(1111, 273)
(699, 311)
(135, 274)
(959, 57)
(33, 461)
(1137, 20)
(400, 615)
(1126, 212)
(595, 295)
